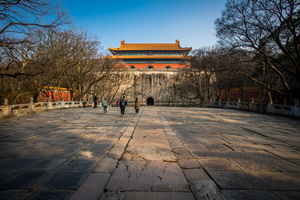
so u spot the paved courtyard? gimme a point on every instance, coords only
(160, 153)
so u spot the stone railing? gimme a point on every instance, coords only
(276, 109)
(23, 109)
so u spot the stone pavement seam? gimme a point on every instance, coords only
(86, 191)
(148, 169)
(203, 187)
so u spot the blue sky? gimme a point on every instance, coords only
(148, 21)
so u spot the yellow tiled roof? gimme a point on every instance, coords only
(55, 88)
(150, 46)
(151, 57)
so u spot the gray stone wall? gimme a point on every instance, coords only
(152, 84)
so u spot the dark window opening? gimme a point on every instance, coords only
(150, 67)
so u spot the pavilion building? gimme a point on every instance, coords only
(151, 70)
(157, 56)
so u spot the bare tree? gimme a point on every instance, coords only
(227, 64)
(200, 79)
(110, 88)
(77, 49)
(53, 58)
(104, 79)
(19, 17)
(22, 22)
(17, 65)
(270, 31)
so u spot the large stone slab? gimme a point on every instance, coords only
(92, 187)
(159, 195)
(188, 163)
(174, 138)
(75, 165)
(176, 145)
(24, 179)
(218, 164)
(150, 141)
(96, 155)
(48, 164)
(196, 174)
(64, 180)
(239, 180)
(149, 130)
(289, 155)
(53, 194)
(250, 194)
(286, 195)
(18, 164)
(281, 180)
(253, 165)
(195, 147)
(116, 152)
(147, 176)
(149, 154)
(283, 165)
(107, 165)
(211, 154)
(15, 194)
(182, 153)
(206, 190)
(102, 145)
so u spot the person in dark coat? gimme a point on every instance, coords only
(123, 104)
(95, 101)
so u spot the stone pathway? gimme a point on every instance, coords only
(148, 169)
(160, 153)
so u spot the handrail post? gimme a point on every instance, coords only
(227, 103)
(7, 108)
(80, 103)
(270, 106)
(72, 103)
(238, 104)
(251, 105)
(49, 103)
(31, 106)
(62, 103)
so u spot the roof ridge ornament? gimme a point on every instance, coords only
(177, 42)
(122, 42)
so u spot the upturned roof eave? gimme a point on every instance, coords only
(150, 49)
(150, 57)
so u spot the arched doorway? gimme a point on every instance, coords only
(150, 101)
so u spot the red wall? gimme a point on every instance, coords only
(235, 94)
(62, 94)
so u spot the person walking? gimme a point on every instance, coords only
(95, 101)
(137, 105)
(123, 104)
(104, 105)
